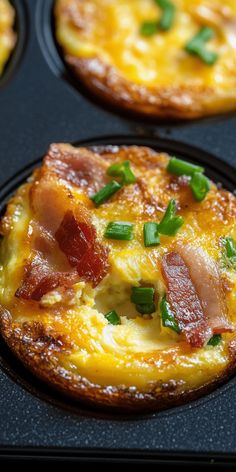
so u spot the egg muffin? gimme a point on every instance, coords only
(7, 34)
(162, 58)
(118, 277)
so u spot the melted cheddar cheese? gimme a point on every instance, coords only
(110, 31)
(140, 350)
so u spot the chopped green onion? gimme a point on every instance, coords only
(169, 226)
(120, 231)
(196, 46)
(168, 15)
(180, 167)
(113, 318)
(230, 253)
(209, 57)
(151, 235)
(142, 295)
(147, 309)
(200, 186)
(149, 28)
(170, 223)
(124, 171)
(215, 340)
(230, 247)
(168, 319)
(204, 34)
(106, 192)
(129, 177)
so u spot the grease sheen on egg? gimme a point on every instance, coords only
(54, 301)
(154, 75)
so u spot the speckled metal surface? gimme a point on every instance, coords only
(40, 104)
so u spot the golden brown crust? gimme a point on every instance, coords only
(118, 72)
(40, 351)
(179, 102)
(47, 345)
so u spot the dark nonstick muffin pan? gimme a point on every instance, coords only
(40, 103)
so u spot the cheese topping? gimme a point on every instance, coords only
(110, 30)
(139, 350)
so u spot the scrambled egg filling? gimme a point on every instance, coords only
(139, 350)
(110, 30)
(7, 36)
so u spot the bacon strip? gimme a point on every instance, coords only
(80, 167)
(50, 199)
(77, 239)
(207, 282)
(184, 300)
(74, 237)
(94, 266)
(40, 279)
(62, 236)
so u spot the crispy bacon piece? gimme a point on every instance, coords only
(61, 233)
(50, 199)
(93, 267)
(77, 239)
(41, 279)
(184, 300)
(45, 245)
(80, 166)
(208, 284)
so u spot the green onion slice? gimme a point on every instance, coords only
(146, 309)
(215, 340)
(196, 46)
(168, 15)
(168, 319)
(142, 295)
(113, 318)
(106, 192)
(170, 223)
(200, 186)
(124, 171)
(230, 247)
(151, 235)
(180, 167)
(230, 252)
(119, 230)
(149, 28)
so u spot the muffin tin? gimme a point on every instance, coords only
(41, 103)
